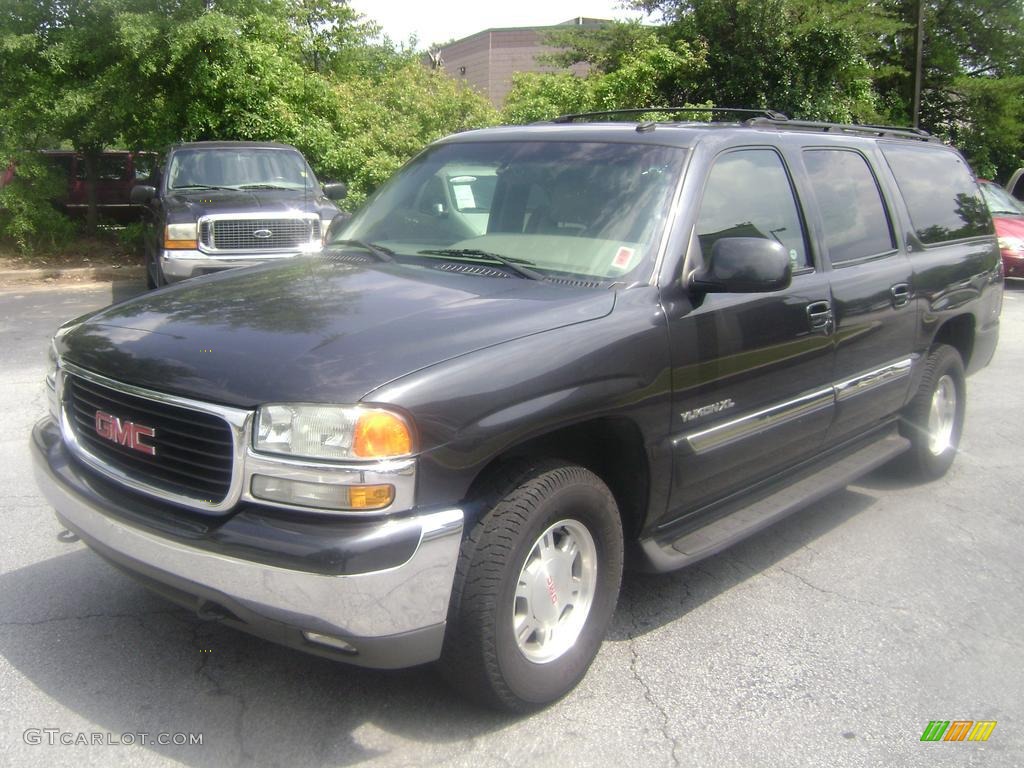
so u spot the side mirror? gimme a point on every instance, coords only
(142, 194)
(743, 265)
(335, 191)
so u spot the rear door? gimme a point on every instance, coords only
(872, 287)
(751, 372)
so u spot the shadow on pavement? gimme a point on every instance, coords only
(126, 661)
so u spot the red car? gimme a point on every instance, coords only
(1008, 215)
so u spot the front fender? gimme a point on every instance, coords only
(473, 409)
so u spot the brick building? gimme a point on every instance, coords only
(487, 60)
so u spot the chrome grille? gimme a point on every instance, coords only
(230, 234)
(193, 450)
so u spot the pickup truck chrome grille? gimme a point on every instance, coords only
(178, 450)
(262, 234)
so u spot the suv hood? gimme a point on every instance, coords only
(313, 330)
(195, 203)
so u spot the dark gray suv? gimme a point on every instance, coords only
(536, 355)
(222, 204)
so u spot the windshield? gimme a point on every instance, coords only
(586, 209)
(999, 201)
(239, 168)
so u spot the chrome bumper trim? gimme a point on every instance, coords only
(402, 599)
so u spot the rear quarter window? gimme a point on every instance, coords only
(940, 192)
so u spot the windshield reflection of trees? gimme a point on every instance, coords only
(298, 298)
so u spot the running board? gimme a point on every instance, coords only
(726, 531)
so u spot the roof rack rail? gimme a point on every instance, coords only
(760, 113)
(892, 131)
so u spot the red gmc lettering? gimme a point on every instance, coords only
(124, 433)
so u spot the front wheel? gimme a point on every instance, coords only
(934, 419)
(535, 588)
(154, 274)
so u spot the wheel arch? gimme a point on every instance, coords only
(610, 447)
(958, 332)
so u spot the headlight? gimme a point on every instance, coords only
(1011, 243)
(332, 432)
(181, 236)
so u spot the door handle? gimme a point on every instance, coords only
(819, 314)
(900, 294)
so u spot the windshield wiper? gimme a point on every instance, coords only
(266, 186)
(204, 186)
(378, 251)
(520, 266)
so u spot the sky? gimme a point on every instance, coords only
(437, 21)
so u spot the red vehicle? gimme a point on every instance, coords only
(1008, 216)
(117, 172)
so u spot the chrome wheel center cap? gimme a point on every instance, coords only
(555, 591)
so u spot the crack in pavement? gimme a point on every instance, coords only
(648, 693)
(841, 596)
(135, 615)
(219, 689)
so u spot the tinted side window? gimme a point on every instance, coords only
(112, 168)
(941, 194)
(854, 216)
(748, 194)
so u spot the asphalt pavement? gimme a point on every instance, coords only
(831, 639)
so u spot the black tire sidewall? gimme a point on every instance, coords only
(592, 506)
(946, 362)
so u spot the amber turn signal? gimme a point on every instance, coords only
(381, 434)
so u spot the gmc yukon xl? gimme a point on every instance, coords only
(536, 354)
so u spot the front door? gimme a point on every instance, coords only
(751, 372)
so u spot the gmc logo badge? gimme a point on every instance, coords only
(126, 433)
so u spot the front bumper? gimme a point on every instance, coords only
(182, 264)
(273, 577)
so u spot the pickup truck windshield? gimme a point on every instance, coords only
(594, 210)
(238, 168)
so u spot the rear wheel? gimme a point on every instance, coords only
(536, 585)
(934, 419)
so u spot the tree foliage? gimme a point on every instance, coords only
(838, 60)
(143, 74)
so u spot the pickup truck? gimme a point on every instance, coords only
(536, 355)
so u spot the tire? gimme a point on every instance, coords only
(154, 275)
(521, 632)
(934, 420)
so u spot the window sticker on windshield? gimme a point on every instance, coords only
(622, 258)
(464, 196)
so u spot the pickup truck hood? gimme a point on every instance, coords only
(195, 203)
(313, 329)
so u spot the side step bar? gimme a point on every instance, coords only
(731, 528)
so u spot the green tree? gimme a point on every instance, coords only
(650, 73)
(787, 55)
(383, 122)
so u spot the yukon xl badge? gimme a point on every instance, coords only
(707, 410)
(124, 432)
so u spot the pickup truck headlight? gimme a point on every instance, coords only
(181, 236)
(332, 432)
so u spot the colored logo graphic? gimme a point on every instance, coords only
(958, 730)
